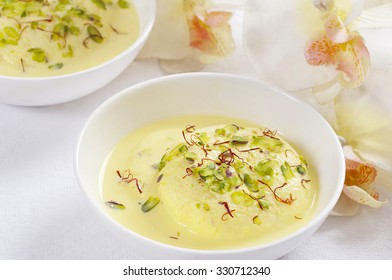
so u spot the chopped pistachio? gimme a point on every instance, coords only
(69, 53)
(180, 148)
(303, 160)
(11, 32)
(38, 54)
(115, 205)
(220, 187)
(94, 34)
(76, 11)
(34, 25)
(286, 170)
(190, 156)
(220, 132)
(265, 203)
(268, 143)
(240, 198)
(219, 174)
(257, 220)
(99, 3)
(206, 207)
(204, 138)
(239, 140)
(301, 170)
(74, 30)
(251, 183)
(56, 66)
(150, 203)
(205, 172)
(123, 4)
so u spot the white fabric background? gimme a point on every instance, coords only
(44, 214)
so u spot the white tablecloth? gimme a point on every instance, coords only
(45, 215)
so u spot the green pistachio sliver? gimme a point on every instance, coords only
(211, 165)
(268, 143)
(99, 3)
(150, 203)
(266, 168)
(239, 140)
(206, 207)
(183, 149)
(96, 19)
(56, 66)
(69, 53)
(123, 4)
(257, 220)
(59, 31)
(286, 170)
(219, 187)
(218, 175)
(205, 172)
(250, 183)
(301, 170)
(38, 54)
(240, 198)
(303, 160)
(220, 132)
(11, 42)
(115, 205)
(162, 164)
(204, 138)
(11, 32)
(190, 156)
(76, 12)
(265, 203)
(34, 25)
(74, 30)
(94, 34)
(231, 128)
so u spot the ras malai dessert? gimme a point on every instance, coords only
(205, 185)
(55, 37)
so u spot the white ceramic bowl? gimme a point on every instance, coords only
(204, 93)
(38, 91)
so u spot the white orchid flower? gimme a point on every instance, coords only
(189, 34)
(317, 33)
(366, 135)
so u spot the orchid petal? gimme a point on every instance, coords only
(271, 55)
(215, 19)
(362, 197)
(321, 51)
(354, 62)
(356, 8)
(336, 29)
(225, 5)
(376, 17)
(367, 129)
(169, 38)
(213, 40)
(359, 174)
(327, 92)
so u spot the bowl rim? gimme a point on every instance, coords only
(133, 90)
(140, 38)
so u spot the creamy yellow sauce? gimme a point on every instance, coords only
(47, 38)
(187, 215)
